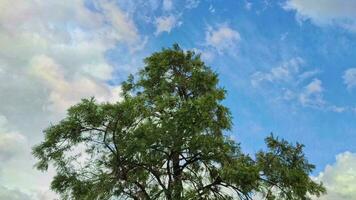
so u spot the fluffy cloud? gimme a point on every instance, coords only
(13, 148)
(57, 58)
(340, 178)
(63, 92)
(312, 94)
(167, 5)
(223, 38)
(350, 78)
(341, 13)
(11, 143)
(166, 24)
(13, 194)
(70, 43)
(53, 53)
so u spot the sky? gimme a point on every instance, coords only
(289, 67)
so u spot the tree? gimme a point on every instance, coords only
(165, 140)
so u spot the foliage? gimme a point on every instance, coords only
(165, 140)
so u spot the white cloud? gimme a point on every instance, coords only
(350, 78)
(288, 71)
(121, 27)
(312, 95)
(211, 9)
(293, 83)
(11, 143)
(339, 109)
(314, 87)
(70, 43)
(167, 5)
(308, 74)
(53, 53)
(13, 194)
(64, 92)
(206, 55)
(166, 24)
(341, 13)
(14, 150)
(340, 178)
(46, 195)
(190, 4)
(223, 38)
(248, 5)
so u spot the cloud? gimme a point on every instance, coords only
(11, 143)
(190, 4)
(340, 178)
(13, 194)
(285, 72)
(222, 38)
(350, 78)
(46, 195)
(53, 53)
(339, 109)
(312, 94)
(206, 55)
(167, 5)
(211, 9)
(166, 24)
(13, 153)
(341, 13)
(292, 82)
(70, 43)
(64, 92)
(248, 5)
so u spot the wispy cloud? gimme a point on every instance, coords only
(166, 24)
(222, 38)
(290, 77)
(248, 5)
(329, 12)
(350, 78)
(167, 5)
(293, 83)
(312, 94)
(287, 72)
(192, 3)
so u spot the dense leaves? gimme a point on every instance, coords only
(165, 140)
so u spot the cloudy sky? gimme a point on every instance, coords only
(289, 67)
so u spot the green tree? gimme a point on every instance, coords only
(165, 140)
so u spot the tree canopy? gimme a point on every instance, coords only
(166, 139)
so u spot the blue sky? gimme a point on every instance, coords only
(288, 66)
(269, 37)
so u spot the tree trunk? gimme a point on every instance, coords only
(177, 177)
